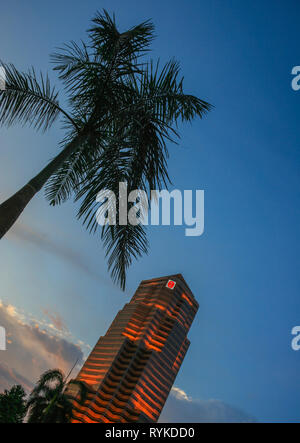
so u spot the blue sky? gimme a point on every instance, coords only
(244, 270)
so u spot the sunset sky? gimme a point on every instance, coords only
(57, 297)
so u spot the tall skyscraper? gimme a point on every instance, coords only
(131, 370)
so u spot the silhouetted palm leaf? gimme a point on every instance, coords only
(28, 99)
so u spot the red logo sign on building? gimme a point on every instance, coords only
(171, 284)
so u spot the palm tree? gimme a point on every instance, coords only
(122, 112)
(49, 401)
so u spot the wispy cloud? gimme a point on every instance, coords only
(56, 320)
(49, 244)
(182, 408)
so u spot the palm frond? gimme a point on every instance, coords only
(123, 244)
(78, 68)
(72, 173)
(70, 59)
(110, 43)
(28, 99)
(53, 375)
(163, 91)
(66, 179)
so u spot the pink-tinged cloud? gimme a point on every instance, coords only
(56, 320)
(31, 350)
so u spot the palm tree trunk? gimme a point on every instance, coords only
(48, 409)
(12, 208)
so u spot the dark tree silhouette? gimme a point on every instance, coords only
(13, 405)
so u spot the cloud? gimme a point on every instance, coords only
(33, 348)
(10, 377)
(181, 408)
(48, 244)
(180, 394)
(58, 322)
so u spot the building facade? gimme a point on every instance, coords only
(131, 370)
